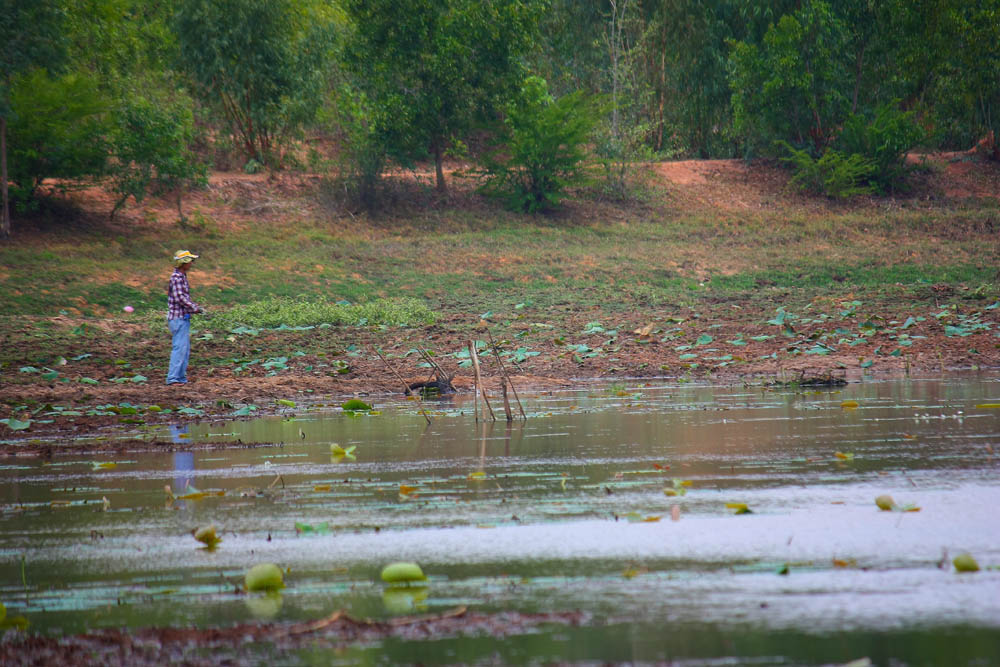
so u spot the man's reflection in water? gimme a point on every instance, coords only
(183, 461)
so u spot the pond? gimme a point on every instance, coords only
(624, 502)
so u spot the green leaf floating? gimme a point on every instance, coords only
(355, 405)
(337, 450)
(306, 529)
(399, 573)
(264, 577)
(285, 402)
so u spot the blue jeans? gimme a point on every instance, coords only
(180, 328)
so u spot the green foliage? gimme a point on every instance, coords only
(430, 70)
(151, 149)
(275, 312)
(835, 174)
(690, 87)
(883, 140)
(544, 147)
(793, 86)
(260, 61)
(364, 153)
(945, 58)
(125, 44)
(621, 141)
(59, 131)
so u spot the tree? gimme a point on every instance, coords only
(260, 61)
(31, 35)
(431, 69)
(622, 139)
(151, 150)
(60, 130)
(794, 85)
(947, 55)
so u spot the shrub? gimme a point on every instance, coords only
(884, 140)
(835, 174)
(542, 151)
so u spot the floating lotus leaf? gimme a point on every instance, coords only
(398, 573)
(264, 577)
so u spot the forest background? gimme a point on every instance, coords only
(148, 96)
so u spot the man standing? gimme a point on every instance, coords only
(179, 310)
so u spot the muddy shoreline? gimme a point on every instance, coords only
(219, 401)
(336, 364)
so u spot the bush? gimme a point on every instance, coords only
(542, 151)
(275, 312)
(151, 151)
(618, 156)
(835, 174)
(884, 140)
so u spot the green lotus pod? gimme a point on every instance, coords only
(398, 573)
(964, 562)
(264, 577)
(885, 502)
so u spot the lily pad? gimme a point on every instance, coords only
(355, 405)
(397, 573)
(264, 577)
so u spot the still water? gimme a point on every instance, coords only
(611, 500)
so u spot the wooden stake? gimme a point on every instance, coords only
(406, 387)
(475, 385)
(479, 380)
(503, 369)
(506, 402)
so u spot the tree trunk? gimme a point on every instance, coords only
(663, 95)
(859, 62)
(5, 223)
(439, 166)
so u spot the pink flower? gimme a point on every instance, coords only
(128, 309)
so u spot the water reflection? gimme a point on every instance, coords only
(566, 510)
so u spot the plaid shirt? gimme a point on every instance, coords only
(179, 303)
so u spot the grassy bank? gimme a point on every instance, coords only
(618, 258)
(722, 257)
